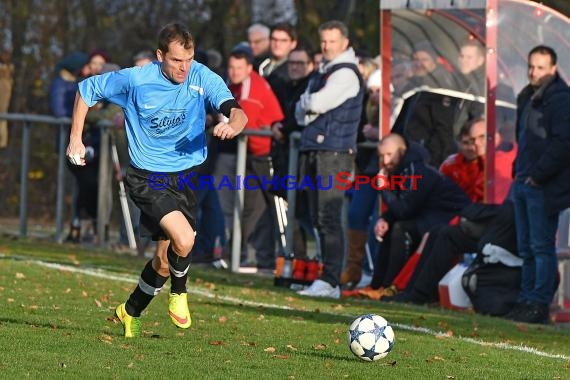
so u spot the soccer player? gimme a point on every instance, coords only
(164, 104)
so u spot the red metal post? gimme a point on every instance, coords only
(492, 10)
(386, 54)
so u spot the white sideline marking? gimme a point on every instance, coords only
(125, 278)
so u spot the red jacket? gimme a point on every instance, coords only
(470, 176)
(261, 108)
(503, 171)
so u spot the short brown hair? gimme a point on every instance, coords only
(174, 32)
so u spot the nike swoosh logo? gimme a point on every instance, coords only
(182, 321)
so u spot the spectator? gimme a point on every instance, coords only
(330, 110)
(88, 176)
(62, 94)
(262, 109)
(96, 61)
(471, 78)
(541, 188)
(258, 39)
(467, 167)
(412, 209)
(143, 57)
(480, 224)
(363, 203)
(505, 153)
(283, 40)
(300, 68)
(427, 70)
(470, 62)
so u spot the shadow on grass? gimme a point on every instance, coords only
(51, 326)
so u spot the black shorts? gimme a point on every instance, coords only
(158, 194)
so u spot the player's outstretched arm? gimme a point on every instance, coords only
(233, 127)
(76, 150)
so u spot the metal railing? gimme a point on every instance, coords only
(63, 124)
(105, 178)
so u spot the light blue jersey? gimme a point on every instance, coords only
(164, 121)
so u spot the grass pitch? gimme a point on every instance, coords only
(57, 302)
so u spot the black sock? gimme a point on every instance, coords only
(178, 267)
(150, 284)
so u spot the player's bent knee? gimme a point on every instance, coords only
(182, 245)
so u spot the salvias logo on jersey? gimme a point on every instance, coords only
(165, 121)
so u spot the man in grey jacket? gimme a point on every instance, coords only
(330, 110)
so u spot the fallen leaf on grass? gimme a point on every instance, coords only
(84, 293)
(248, 343)
(281, 356)
(447, 334)
(131, 365)
(450, 377)
(98, 303)
(320, 346)
(139, 357)
(216, 343)
(522, 327)
(106, 339)
(20, 275)
(10, 300)
(261, 317)
(434, 359)
(73, 259)
(290, 347)
(270, 349)
(223, 319)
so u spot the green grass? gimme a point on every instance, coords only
(56, 323)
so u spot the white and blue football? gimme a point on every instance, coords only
(370, 337)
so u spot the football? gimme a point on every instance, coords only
(370, 337)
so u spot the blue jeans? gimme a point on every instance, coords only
(536, 234)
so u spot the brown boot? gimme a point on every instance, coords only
(356, 251)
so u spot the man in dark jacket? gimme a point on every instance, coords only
(542, 187)
(426, 200)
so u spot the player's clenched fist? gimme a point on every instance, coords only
(224, 131)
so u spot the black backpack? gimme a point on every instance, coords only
(492, 288)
